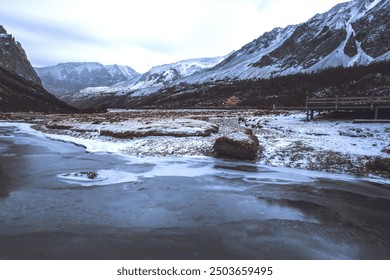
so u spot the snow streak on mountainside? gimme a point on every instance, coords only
(73, 76)
(352, 33)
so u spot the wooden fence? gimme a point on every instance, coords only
(373, 103)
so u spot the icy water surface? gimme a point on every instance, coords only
(59, 202)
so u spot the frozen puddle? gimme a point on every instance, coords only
(83, 176)
(98, 178)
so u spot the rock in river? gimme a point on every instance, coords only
(238, 144)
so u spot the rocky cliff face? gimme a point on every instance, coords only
(14, 59)
(20, 87)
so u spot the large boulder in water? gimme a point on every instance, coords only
(238, 144)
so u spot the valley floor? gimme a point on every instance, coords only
(286, 138)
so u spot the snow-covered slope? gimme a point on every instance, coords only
(165, 74)
(73, 76)
(352, 33)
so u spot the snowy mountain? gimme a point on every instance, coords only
(73, 76)
(168, 73)
(14, 58)
(352, 33)
(349, 34)
(147, 83)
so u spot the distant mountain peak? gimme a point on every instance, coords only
(2, 30)
(69, 77)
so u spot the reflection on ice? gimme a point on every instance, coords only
(177, 169)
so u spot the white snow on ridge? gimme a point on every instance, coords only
(159, 76)
(62, 70)
(189, 66)
(127, 71)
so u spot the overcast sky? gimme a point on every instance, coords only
(145, 33)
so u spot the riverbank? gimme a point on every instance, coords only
(286, 139)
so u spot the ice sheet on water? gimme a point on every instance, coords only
(248, 172)
(204, 166)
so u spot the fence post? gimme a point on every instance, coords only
(307, 101)
(307, 110)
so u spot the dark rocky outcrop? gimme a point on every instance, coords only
(239, 144)
(373, 30)
(14, 58)
(20, 87)
(350, 48)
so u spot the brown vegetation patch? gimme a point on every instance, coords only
(130, 134)
(379, 166)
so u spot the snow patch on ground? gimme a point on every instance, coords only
(344, 137)
(140, 127)
(332, 145)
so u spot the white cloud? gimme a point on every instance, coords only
(145, 33)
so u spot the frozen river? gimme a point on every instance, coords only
(179, 208)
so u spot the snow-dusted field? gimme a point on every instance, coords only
(331, 145)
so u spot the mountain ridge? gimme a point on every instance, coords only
(69, 77)
(324, 41)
